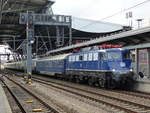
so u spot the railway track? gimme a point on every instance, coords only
(122, 92)
(113, 102)
(137, 94)
(102, 98)
(130, 93)
(25, 99)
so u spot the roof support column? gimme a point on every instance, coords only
(1, 8)
(70, 33)
(37, 41)
(148, 62)
(0, 62)
(137, 61)
(49, 38)
(14, 44)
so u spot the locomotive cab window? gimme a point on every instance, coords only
(114, 55)
(126, 55)
(103, 56)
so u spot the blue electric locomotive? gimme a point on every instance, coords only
(108, 68)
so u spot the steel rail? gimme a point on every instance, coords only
(93, 99)
(110, 97)
(15, 98)
(40, 100)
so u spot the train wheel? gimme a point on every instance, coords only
(102, 83)
(112, 84)
(65, 78)
(90, 81)
(71, 78)
(78, 80)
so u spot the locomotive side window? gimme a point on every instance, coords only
(90, 57)
(85, 57)
(80, 57)
(73, 58)
(77, 58)
(95, 56)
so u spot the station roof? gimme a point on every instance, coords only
(92, 26)
(10, 12)
(24, 5)
(129, 39)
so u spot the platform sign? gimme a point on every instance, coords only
(44, 19)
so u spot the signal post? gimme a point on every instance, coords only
(30, 41)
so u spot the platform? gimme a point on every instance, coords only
(4, 105)
(142, 85)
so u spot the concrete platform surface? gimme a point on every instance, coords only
(142, 85)
(144, 80)
(4, 104)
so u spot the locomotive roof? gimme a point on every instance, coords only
(116, 49)
(102, 50)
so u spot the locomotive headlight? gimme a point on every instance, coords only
(113, 70)
(131, 70)
(122, 64)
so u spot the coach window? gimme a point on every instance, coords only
(90, 57)
(85, 57)
(72, 58)
(69, 58)
(95, 56)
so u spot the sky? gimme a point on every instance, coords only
(99, 9)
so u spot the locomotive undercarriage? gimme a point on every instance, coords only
(98, 78)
